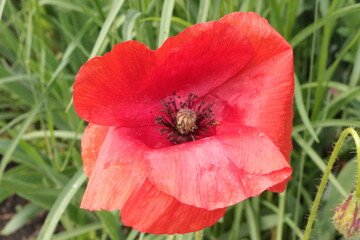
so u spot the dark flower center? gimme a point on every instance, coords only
(184, 121)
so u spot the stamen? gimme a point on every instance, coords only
(184, 122)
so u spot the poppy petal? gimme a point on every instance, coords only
(91, 142)
(104, 86)
(200, 58)
(150, 210)
(122, 87)
(278, 188)
(118, 171)
(262, 94)
(238, 162)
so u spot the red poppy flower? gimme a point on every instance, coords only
(178, 134)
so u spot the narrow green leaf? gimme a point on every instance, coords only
(341, 101)
(203, 11)
(115, 8)
(61, 4)
(355, 74)
(129, 24)
(306, 32)
(302, 111)
(173, 19)
(234, 233)
(319, 162)
(21, 218)
(60, 205)
(37, 106)
(62, 134)
(328, 123)
(251, 219)
(111, 223)
(77, 231)
(166, 15)
(2, 6)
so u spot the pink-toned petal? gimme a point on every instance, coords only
(106, 88)
(237, 163)
(91, 142)
(118, 171)
(261, 95)
(150, 210)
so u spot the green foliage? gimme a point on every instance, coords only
(43, 43)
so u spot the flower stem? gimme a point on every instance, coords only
(280, 223)
(198, 235)
(327, 172)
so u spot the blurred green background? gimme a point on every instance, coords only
(43, 43)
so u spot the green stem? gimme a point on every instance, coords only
(198, 235)
(280, 223)
(327, 172)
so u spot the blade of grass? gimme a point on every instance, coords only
(302, 111)
(276, 13)
(287, 219)
(291, 16)
(203, 11)
(111, 223)
(21, 218)
(330, 71)
(321, 79)
(319, 163)
(306, 32)
(2, 6)
(234, 233)
(115, 8)
(328, 123)
(128, 27)
(173, 19)
(77, 231)
(253, 225)
(37, 106)
(355, 75)
(57, 133)
(281, 214)
(166, 15)
(60, 205)
(337, 104)
(61, 4)
(134, 234)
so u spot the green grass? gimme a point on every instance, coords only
(43, 43)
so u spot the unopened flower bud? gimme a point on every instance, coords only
(186, 119)
(346, 217)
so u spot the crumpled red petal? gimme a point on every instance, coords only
(118, 181)
(149, 210)
(237, 163)
(124, 86)
(104, 85)
(118, 171)
(261, 95)
(200, 58)
(91, 142)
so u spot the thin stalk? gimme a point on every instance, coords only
(198, 235)
(327, 172)
(281, 220)
(253, 225)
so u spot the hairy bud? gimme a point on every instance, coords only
(346, 217)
